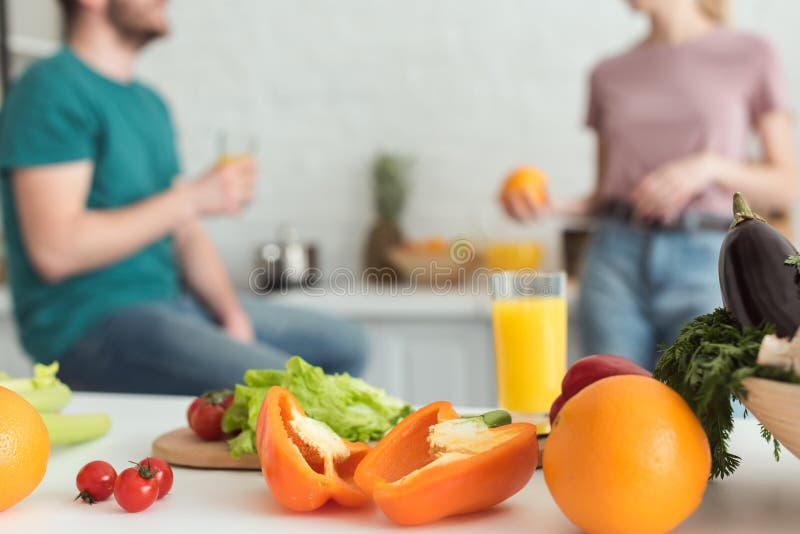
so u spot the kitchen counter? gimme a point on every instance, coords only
(403, 303)
(760, 497)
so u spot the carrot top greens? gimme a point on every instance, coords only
(706, 366)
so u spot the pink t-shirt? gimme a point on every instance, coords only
(659, 103)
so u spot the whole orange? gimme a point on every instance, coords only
(627, 455)
(527, 180)
(24, 448)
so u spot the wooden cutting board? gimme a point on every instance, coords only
(182, 447)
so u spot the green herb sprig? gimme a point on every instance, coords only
(794, 261)
(706, 366)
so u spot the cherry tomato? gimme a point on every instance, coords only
(164, 475)
(95, 481)
(205, 414)
(136, 488)
(199, 401)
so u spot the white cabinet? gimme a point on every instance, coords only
(425, 361)
(426, 347)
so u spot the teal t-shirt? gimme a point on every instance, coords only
(59, 111)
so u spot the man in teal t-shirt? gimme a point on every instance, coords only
(101, 238)
(63, 111)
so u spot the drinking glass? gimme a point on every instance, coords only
(529, 316)
(233, 145)
(513, 255)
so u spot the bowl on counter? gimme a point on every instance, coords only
(777, 406)
(431, 265)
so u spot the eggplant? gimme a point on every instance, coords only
(757, 285)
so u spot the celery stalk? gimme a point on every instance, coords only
(47, 394)
(73, 429)
(51, 399)
(44, 391)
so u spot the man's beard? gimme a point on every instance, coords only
(128, 24)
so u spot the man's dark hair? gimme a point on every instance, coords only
(69, 8)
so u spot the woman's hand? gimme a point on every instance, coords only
(239, 327)
(521, 205)
(664, 193)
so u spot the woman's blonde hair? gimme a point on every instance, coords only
(717, 10)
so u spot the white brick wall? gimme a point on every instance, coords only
(470, 88)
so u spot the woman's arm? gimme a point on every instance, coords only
(590, 204)
(770, 185)
(64, 238)
(524, 208)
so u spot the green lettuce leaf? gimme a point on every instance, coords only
(354, 410)
(243, 443)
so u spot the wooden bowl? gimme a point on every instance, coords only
(777, 406)
(434, 267)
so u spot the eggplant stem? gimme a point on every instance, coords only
(741, 211)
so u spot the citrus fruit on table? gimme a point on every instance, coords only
(527, 180)
(626, 455)
(24, 448)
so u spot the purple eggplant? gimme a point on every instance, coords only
(757, 285)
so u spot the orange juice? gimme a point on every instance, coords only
(225, 159)
(513, 256)
(530, 336)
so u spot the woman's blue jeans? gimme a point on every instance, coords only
(641, 286)
(174, 347)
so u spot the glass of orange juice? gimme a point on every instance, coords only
(234, 145)
(513, 255)
(529, 316)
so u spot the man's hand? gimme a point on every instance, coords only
(664, 193)
(225, 188)
(239, 327)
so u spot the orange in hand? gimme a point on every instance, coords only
(627, 455)
(24, 448)
(528, 181)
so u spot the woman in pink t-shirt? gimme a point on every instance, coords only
(673, 116)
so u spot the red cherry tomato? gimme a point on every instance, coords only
(136, 488)
(95, 481)
(205, 414)
(193, 408)
(164, 475)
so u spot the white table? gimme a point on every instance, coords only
(763, 496)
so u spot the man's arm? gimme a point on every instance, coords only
(205, 274)
(64, 238)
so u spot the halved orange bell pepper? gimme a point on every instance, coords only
(434, 464)
(303, 461)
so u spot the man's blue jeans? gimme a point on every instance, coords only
(174, 347)
(641, 286)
